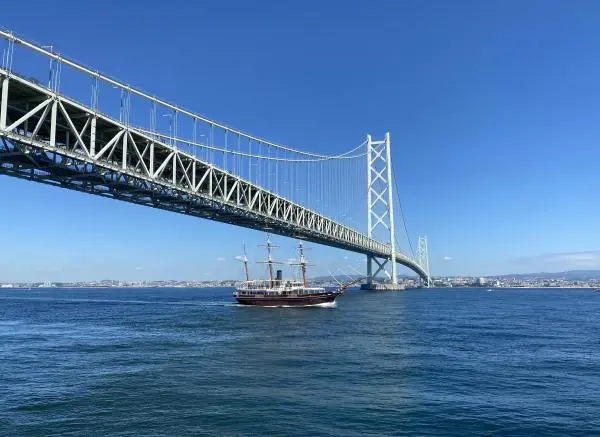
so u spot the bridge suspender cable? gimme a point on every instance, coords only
(403, 218)
(345, 155)
(9, 36)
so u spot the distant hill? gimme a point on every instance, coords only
(570, 275)
(573, 275)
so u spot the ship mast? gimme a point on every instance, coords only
(244, 260)
(246, 265)
(302, 264)
(269, 260)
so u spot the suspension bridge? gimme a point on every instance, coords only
(67, 125)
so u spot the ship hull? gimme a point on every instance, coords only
(287, 301)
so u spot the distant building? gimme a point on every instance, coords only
(481, 281)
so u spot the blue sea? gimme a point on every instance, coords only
(189, 362)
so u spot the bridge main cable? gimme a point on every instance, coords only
(253, 155)
(58, 58)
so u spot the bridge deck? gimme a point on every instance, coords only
(48, 138)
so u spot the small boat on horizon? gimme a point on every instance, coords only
(279, 292)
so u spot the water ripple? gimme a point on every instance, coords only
(165, 362)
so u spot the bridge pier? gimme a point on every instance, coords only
(382, 287)
(369, 272)
(381, 263)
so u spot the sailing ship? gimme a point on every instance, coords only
(279, 292)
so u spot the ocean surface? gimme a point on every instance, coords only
(188, 362)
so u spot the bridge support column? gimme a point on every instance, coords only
(369, 271)
(391, 209)
(424, 260)
(381, 264)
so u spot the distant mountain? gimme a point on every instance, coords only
(572, 275)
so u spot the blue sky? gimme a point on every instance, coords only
(493, 108)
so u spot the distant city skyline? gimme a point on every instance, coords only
(566, 279)
(492, 106)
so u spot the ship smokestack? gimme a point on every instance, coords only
(279, 276)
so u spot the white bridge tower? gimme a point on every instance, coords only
(424, 259)
(380, 205)
(380, 213)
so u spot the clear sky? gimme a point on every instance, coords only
(493, 108)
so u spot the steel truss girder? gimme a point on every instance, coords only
(62, 142)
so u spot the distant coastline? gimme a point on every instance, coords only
(567, 279)
(108, 287)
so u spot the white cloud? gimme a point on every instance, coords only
(138, 268)
(447, 258)
(220, 258)
(571, 259)
(345, 257)
(291, 260)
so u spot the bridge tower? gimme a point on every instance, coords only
(380, 209)
(424, 259)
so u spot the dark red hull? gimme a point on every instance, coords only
(288, 301)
